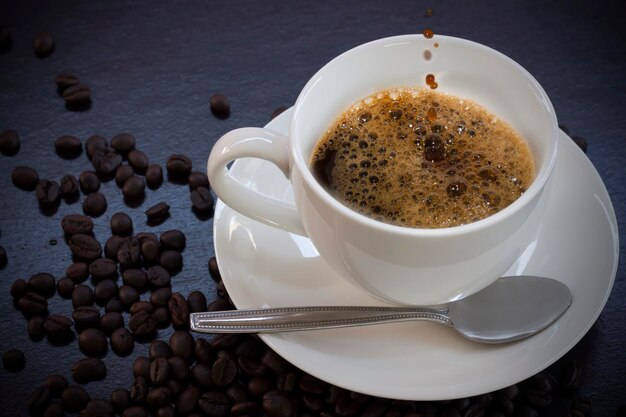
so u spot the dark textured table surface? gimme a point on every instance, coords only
(152, 67)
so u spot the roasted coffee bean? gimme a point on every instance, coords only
(13, 360)
(224, 371)
(182, 344)
(179, 368)
(158, 276)
(121, 224)
(179, 310)
(57, 327)
(106, 161)
(138, 160)
(135, 411)
(85, 247)
(204, 353)
(35, 328)
(103, 269)
(178, 167)
(187, 401)
(88, 370)
(24, 178)
(19, 288)
(150, 252)
(198, 179)
(77, 97)
(158, 397)
(97, 408)
(161, 296)
(95, 205)
(33, 304)
(39, 400)
(201, 375)
(248, 408)
(259, 385)
(215, 404)
(141, 367)
(128, 295)
(224, 341)
(250, 348)
(238, 393)
(42, 283)
(276, 363)
(76, 223)
(111, 321)
(475, 410)
(111, 246)
(316, 403)
(120, 399)
(43, 44)
(64, 81)
(114, 305)
(65, 287)
(173, 239)
(154, 176)
(570, 377)
(56, 384)
(278, 111)
(251, 366)
(122, 342)
(69, 187)
(47, 192)
(136, 278)
(77, 272)
(166, 411)
(279, 404)
(312, 385)
(129, 252)
(162, 316)
(220, 106)
(142, 324)
(89, 182)
(9, 143)
(74, 398)
(86, 316)
(196, 302)
(144, 236)
(171, 260)
(201, 200)
(82, 296)
(157, 214)
(94, 143)
(134, 188)
(139, 390)
(122, 174)
(159, 370)
(92, 342)
(104, 291)
(581, 142)
(287, 382)
(123, 143)
(141, 306)
(68, 147)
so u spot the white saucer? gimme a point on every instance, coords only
(265, 267)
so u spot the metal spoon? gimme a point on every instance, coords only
(512, 308)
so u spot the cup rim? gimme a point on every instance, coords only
(527, 197)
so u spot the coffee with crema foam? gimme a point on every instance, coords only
(422, 159)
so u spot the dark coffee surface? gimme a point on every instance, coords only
(152, 69)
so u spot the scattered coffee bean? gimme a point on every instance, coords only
(129, 252)
(122, 174)
(25, 178)
(224, 371)
(56, 384)
(120, 399)
(85, 247)
(215, 404)
(214, 270)
(73, 224)
(141, 367)
(159, 349)
(5, 40)
(581, 142)
(198, 179)
(179, 368)
(97, 408)
(279, 404)
(182, 344)
(103, 269)
(123, 143)
(187, 401)
(157, 214)
(141, 306)
(47, 192)
(171, 260)
(173, 239)
(144, 236)
(197, 302)
(9, 143)
(251, 366)
(220, 289)
(138, 160)
(13, 360)
(136, 278)
(43, 44)
(161, 296)
(33, 304)
(278, 111)
(201, 376)
(69, 187)
(65, 287)
(122, 342)
(106, 161)
(162, 316)
(134, 188)
(159, 371)
(42, 283)
(150, 251)
(225, 341)
(89, 182)
(203, 352)
(57, 327)
(111, 321)
(128, 295)
(82, 296)
(95, 205)
(94, 143)
(35, 328)
(179, 310)
(64, 81)
(104, 291)
(111, 247)
(135, 411)
(68, 147)
(142, 324)
(18, 288)
(39, 400)
(166, 411)
(158, 397)
(77, 272)
(77, 97)
(158, 276)
(201, 200)
(139, 390)
(74, 398)
(114, 306)
(154, 176)
(220, 106)
(92, 342)
(246, 408)
(178, 168)
(86, 316)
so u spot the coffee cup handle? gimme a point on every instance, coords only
(253, 142)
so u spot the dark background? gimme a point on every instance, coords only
(152, 67)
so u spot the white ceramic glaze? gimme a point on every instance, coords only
(263, 266)
(402, 265)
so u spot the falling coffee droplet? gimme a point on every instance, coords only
(436, 45)
(429, 12)
(428, 33)
(431, 115)
(428, 55)
(430, 81)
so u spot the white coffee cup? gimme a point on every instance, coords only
(399, 264)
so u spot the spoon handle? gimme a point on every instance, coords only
(286, 319)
